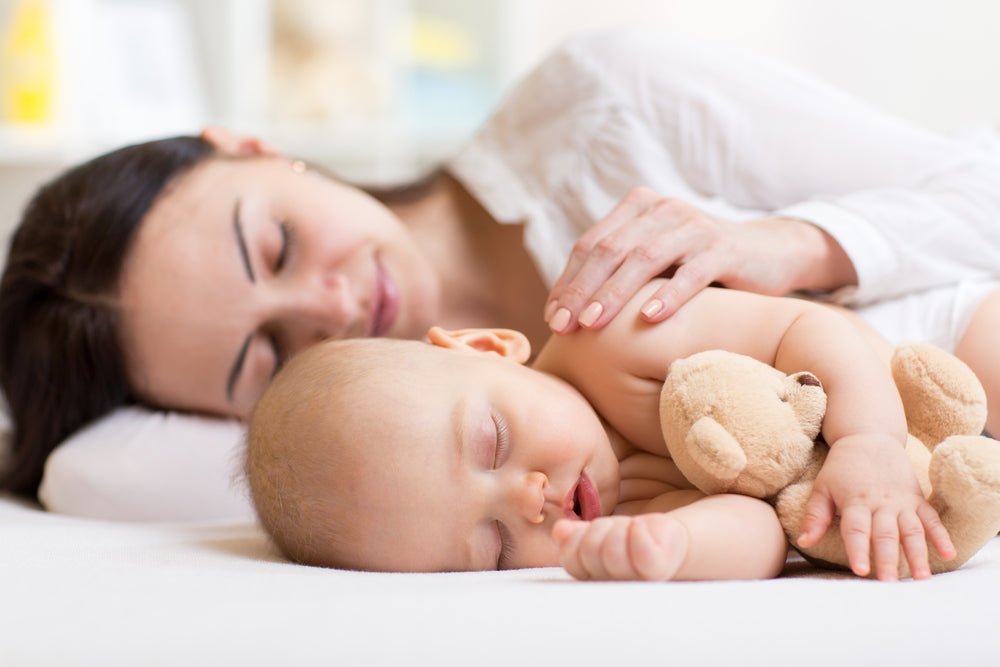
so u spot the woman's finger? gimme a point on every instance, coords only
(690, 278)
(631, 207)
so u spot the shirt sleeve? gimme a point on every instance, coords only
(912, 209)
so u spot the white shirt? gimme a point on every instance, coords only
(739, 136)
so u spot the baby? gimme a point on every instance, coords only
(454, 454)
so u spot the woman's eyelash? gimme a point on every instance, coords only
(279, 355)
(288, 240)
(503, 440)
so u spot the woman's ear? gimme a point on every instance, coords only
(508, 343)
(233, 143)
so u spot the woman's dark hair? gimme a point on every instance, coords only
(61, 358)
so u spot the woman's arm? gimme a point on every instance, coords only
(867, 198)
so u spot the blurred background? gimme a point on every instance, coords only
(378, 90)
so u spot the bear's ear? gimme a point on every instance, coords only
(716, 452)
(507, 343)
(805, 393)
(806, 379)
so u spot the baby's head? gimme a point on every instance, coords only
(393, 455)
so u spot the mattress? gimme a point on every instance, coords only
(81, 591)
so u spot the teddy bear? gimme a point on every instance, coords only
(733, 424)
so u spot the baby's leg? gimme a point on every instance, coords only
(979, 347)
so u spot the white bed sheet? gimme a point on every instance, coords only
(88, 592)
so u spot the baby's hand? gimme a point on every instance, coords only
(647, 546)
(873, 488)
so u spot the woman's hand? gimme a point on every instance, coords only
(647, 235)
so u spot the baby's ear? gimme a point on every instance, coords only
(508, 343)
(228, 142)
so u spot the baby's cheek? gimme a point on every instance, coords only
(540, 550)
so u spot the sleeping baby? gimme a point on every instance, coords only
(456, 454)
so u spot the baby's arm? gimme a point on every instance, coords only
(699, 537)
(867, 477)
(868, 480)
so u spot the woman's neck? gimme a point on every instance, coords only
(488, 279)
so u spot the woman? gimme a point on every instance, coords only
(181, 274)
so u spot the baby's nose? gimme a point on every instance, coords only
(529, 496)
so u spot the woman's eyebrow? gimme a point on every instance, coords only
(240, 240)
(234, 374)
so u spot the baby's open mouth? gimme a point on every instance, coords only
(582, 502)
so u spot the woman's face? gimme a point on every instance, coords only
(243, 262)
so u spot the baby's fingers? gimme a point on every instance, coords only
(592, 548)
(818, 516)
(911, 536)
(657, 546)
(936, 533)
(568, 535)
(856, 529)
(885, 545)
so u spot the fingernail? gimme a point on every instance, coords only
(652, 307)
(559, 320)
(591, 313)
(550, 310)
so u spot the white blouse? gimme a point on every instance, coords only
(739, 136)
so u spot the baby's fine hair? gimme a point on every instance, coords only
(292, 450)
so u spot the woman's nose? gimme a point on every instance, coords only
(319, 309)
(528, 496)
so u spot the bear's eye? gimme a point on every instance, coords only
(808, 380)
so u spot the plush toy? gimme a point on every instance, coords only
(735, 425)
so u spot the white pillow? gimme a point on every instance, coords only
(141, 465)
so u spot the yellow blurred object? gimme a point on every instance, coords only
(441, 44)
(27, 75)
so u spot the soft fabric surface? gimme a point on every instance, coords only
(89, 592)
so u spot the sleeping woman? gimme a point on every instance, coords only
(180, 274)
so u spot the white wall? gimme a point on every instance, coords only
(936, 62)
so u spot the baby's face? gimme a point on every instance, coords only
(468, 466)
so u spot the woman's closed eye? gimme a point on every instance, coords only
(279, 352)
(280, 262)
(288, 242)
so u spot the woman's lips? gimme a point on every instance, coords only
(385, 302)
(582, 501)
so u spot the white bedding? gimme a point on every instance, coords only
(89, 592)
